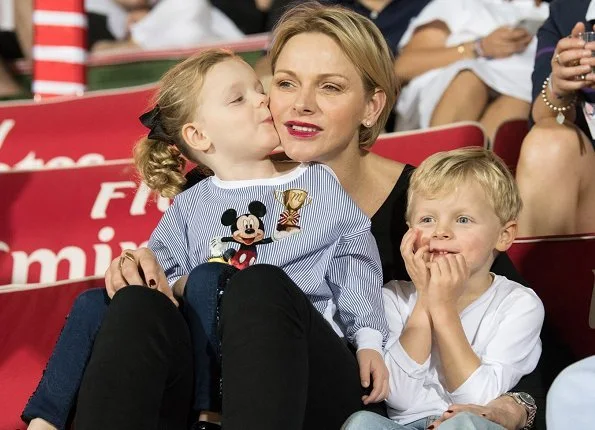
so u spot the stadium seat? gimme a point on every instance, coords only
(413, 147)
(31, 320)
(508, 140)
(561, 270)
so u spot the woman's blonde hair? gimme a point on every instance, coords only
(359, 39)
(161, 161)
(442, 172)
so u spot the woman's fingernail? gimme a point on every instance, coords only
(152, 283)
(431, 427)
(449, 411)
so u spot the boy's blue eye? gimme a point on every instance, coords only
(426, 219)
(464, 220)
(239, 99)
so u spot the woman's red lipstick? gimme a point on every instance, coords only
(302, 130)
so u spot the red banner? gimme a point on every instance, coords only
(70, 223)
(72, 132)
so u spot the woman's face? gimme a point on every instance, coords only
(317, 99)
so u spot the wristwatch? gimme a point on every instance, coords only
(528, 402)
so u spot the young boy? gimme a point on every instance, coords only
(458, 333)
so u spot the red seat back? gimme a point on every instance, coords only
(412, 147)
(30, 321)
(509, 139)
(561, 270)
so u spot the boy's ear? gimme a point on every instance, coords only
(195, 137)
(507, 236)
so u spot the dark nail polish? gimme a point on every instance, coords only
(449, 411)
(152, 283)
(431, 427)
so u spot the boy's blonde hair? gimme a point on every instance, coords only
(442, 172)
(359, 39)
(161, 163)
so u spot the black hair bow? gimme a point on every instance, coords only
(152, 120)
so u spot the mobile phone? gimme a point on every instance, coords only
(531, 25)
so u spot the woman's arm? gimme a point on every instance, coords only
(558, 57)
(503, 410)
(427, 49)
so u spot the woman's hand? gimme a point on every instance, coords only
(371, 363)
(138, 267)
(416, 261)
(571, 64)
(448, 275)
(503, 410)
(505, 41)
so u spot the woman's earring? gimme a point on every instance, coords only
(367, 124)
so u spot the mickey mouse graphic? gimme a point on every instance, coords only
(247, 230)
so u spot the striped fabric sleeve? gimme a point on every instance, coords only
(169, 243)
(355, 276)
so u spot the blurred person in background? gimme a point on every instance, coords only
(16, 40)
(254, 16)
(571, 397)
(162, 24)
(468, 60)
(556, 168)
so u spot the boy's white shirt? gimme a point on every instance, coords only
(502, 326)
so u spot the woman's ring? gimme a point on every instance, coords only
(557, 59)
(129, 256)
(124, 256)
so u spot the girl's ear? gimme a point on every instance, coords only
(507, 236)
(195, 137)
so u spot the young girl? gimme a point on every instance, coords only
(212, 109)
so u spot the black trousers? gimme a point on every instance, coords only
(140, 373)
(283, 365)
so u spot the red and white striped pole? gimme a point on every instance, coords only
(59, 48)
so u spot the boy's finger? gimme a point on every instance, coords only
(376, 393)
(364, 373)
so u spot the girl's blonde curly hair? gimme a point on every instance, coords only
(161, 161)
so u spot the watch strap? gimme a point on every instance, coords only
(531, 409)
